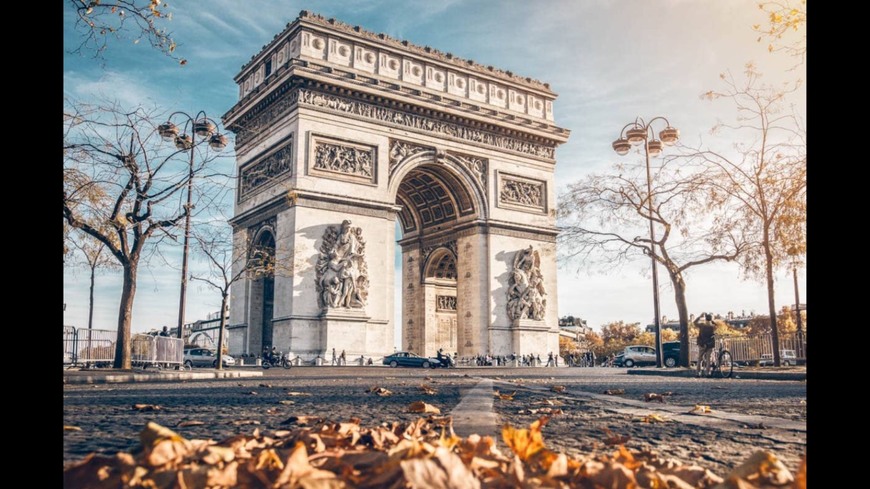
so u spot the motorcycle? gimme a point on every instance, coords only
(445, 361)
(276, 360)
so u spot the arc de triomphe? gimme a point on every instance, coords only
(340, 133)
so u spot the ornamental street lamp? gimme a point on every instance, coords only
(206, 129)
(632, 134)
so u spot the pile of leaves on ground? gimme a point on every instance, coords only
(425, 453)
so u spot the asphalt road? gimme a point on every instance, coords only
(745, 414)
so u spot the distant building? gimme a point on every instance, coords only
(573, 327)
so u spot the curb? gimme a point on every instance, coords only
(737, 374)
(161, 377)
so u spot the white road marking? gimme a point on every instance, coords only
(474, 413)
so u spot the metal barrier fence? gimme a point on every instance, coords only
(95, 345)
(748, 349)
(148, 350)
(84, 346)
(70, 355)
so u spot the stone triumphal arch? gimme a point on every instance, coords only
(340, 133)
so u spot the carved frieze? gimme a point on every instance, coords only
(265, 171)
(526, 297)
(522, 193)
(345, 160)
(445, 303)
(342, 275)
(428, 124)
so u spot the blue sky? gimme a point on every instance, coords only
(609, 60)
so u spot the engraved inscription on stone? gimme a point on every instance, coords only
(344, 159)
(259, 175)
(445, 303)
(435, 126)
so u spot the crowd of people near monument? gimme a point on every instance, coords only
(527, 360)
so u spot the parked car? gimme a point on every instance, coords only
(786, 357)
(635, 355)
(410, 359)
(671, 353)
(205, 357)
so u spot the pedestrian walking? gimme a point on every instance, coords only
(550, 360)
(342, 360)
(333, 356)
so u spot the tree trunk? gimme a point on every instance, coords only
(683, 312)
(91, 301)
(774, 328)
(123, 358)
(220, 345)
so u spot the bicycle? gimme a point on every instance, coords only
(721, 362)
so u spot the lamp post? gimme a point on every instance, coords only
(206, 129)
(633, 134)
(795, 263)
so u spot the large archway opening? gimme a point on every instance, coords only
(435, 201)
(262, 292)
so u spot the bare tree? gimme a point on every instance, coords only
(95, 257)
(605, 218)
(765, 175)
(122, 187)
(228, 264)
(99, 20)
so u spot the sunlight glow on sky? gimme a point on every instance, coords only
(608, 60)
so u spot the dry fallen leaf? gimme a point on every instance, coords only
(428, 390)
(182, 424)
(380, 391)
(268, 386)
(652, 396)
(252, 393)
(146, 407)
(614, 392)
(525, 443)
(243, 422)
(558, 388)
(294, 393)
(612, 439)
(422, 407)
(506, 397)
(303, 420)
(71, 428)
(701, 409)
(653, 418)
(762, 469)
(286, 402)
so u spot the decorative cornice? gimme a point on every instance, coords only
(424, 51)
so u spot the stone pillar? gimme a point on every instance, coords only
(473, 293)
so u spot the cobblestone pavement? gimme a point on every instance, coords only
(231, 406)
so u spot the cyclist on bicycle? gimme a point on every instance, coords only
(706, 342)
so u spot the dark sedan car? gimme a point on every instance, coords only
(410, 359)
